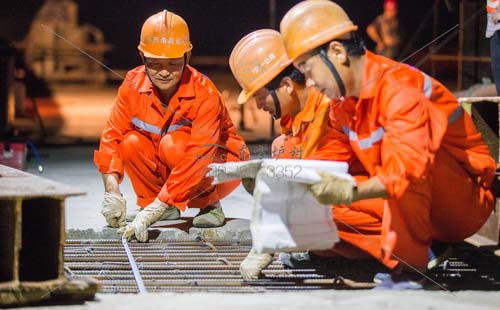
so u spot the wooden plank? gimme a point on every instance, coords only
(6, 171)
(441, 57)
(478, 99)
(480, 241)
(18, 184)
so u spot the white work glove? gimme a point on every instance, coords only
(333, 189)
(114, 209)
(252, 266)
(148, 216)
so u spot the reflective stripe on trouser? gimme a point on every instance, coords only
(148, 173)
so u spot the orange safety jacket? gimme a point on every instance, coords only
(303, 132)
(394, 129)
(196, 108)
(398, 123)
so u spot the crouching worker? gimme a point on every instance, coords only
(427, 171)
(167, 125)
(265, 73)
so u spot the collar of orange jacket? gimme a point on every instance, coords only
(186, 86)
(375, 68)
(308, 112)
(286, 124)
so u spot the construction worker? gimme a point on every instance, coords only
(492, 33)
(385, 32)
(260, 65)
(427, 171)
(167, 124)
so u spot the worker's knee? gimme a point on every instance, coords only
(132, 145)
(173, 149)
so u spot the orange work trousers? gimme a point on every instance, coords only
(449, 207)
(149, 168)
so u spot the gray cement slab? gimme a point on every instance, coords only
(311, 300)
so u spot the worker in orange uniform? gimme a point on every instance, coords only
(260, 65)
(167, 125)
(385, 31)
(427, 171)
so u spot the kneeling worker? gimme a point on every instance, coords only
(260, 65)
(167, 125)
(428, 170)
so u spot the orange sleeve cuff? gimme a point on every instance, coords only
(108, 164)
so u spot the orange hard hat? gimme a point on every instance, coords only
(256, 60)
(312, 23)
(165, 35)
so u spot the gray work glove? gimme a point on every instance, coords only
(147, 217)
(114, 209)
(333, 190)
(252, 266)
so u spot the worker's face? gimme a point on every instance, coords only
(317, 75)
(164, 73)
(390, 10)
(287, 100)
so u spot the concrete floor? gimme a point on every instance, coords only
(320, 300)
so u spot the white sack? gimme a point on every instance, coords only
(285, 216)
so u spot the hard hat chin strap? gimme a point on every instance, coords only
(277, 104)
(333, 70)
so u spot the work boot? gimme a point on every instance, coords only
(295, 259)
(399, 279)
(209, 217)
(172, 213)
(438, 253)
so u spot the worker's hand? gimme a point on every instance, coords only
(114, 209)
(252, 266)
(148, 216)
(333, 190)
(248, 184)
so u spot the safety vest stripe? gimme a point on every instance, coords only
(174, 127)
(145, 126)
(456, 114)
(427, 86)
(366, 143)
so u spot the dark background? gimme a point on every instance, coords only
(215, 25)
